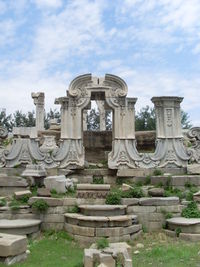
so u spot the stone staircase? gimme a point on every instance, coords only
(97, 221)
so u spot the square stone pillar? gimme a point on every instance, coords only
(170, 151)
(38, 99)
(168, 116)
(124, 153)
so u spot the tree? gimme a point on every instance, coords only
(52, 114)
(145, 120)
(23, 119)
(185, 122)
(93, 120)
(5, 121)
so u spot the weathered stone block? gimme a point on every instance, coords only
(132, 229)
(129, 201)
(193, 169)
(156, 192)
(159, 201)
(140, 209)
(56, 182)
(43, 192)
(52, 202)
(106, 232)
(78, 230)
(12, 245)
(173, 209)
(52, 218)
(21, 194)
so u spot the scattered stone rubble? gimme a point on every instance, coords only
(115, 253)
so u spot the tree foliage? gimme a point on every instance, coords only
(93, 120)
(145, 119)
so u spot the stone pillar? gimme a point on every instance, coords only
(39, 103)
(170, 149)
(72, 150)
(102, 114)
(168, 116)
(124, 153)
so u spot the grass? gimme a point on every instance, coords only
(58, 249)
(53, 250)
(163, 251)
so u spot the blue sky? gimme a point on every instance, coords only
(154, 45)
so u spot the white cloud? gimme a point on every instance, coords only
(48, 3)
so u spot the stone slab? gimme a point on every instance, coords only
(102, 210)
(159, 201)
(187, 225)
(129, 201)
(12, 245)
(95, 187)
(52, 202)
(12, 181)
(19, 226)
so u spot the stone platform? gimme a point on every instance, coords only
(20, 226)
(87, 229)
(185, 228)
(103, 210)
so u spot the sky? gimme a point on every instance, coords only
(154, 45)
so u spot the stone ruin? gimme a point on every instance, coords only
(110, 93)
(50, 155)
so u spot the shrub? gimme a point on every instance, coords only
(135, 192)
(74, 209)
(157, 172)
(119, 180)
(191, 211)
(113, 198)
(24, 199)
(98, 180)
(189, 196)
(14, 205)
(3, 202)
(178, 231)
(102, 243)
(139, 183)
(147, 180)
(40, 205)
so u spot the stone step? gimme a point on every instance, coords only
(19, 226)
(100, 221)
(102, 232)
(159, 201)
(103, 210)
(92, 190)
(95, 187)
(186, 225)
(86, 241)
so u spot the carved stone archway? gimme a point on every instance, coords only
(81, 91)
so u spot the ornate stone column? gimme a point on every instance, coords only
(170, 149)
(39, 103)
(102, 115)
